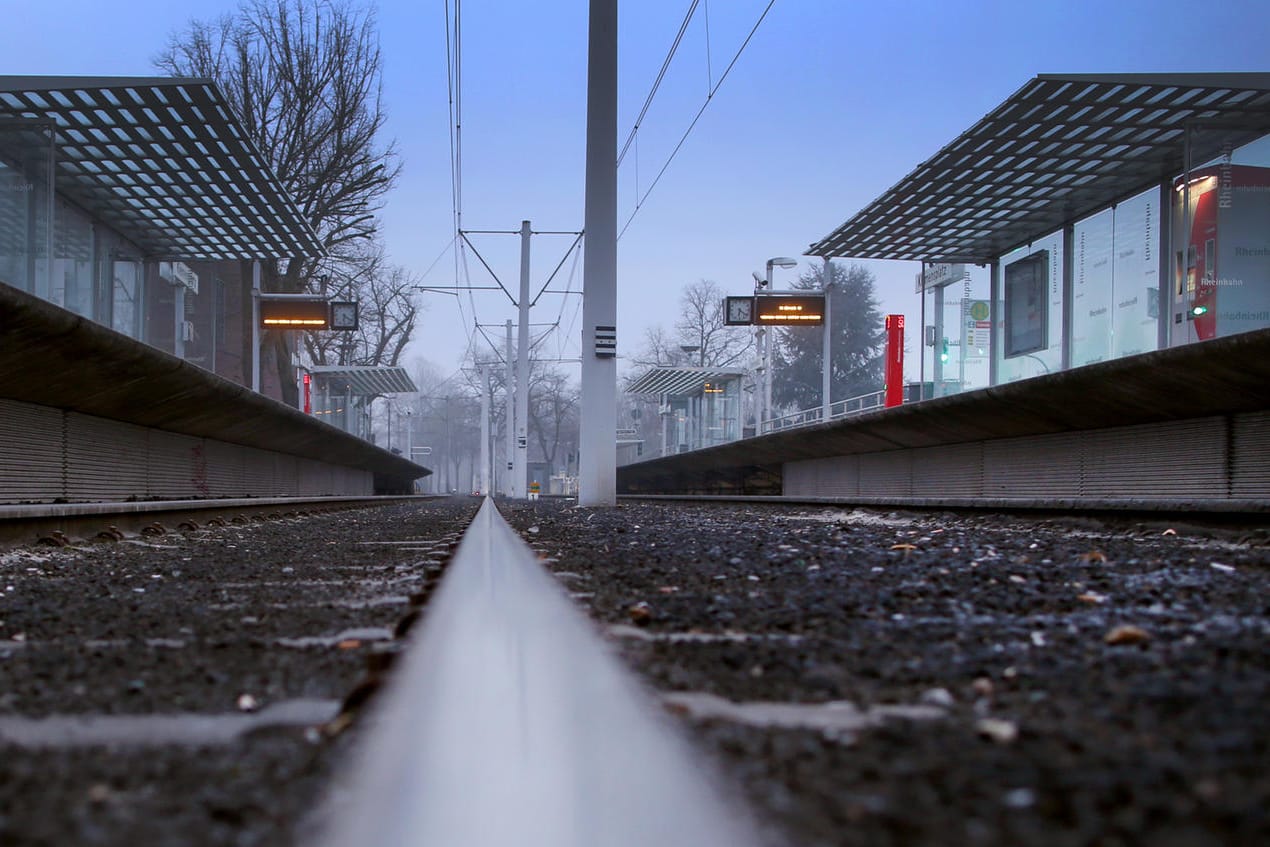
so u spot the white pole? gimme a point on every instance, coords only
(510, 405)
(826, 350)
(520, 473)
(485, 412)
(597, 472)
(769, 335)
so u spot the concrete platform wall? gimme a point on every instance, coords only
(89, 414)
(1185, 425)
(49, 454)
(1212, 458)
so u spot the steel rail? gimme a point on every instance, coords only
(22, 524)
(508, 722)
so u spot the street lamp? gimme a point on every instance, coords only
(766, 337)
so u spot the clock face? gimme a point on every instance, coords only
(344, 316)
(740, 310)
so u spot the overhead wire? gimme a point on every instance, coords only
(665, 65)
(454, 92)
(709, 97)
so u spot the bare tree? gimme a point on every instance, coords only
(387, 315)
(700, 337)
(701, 325)
(303, 78)
(553, 412)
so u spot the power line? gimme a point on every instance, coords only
(665, 65)
(688, 131)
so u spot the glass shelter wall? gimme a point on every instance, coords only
(26, 205)
(954, 340)
(1115, 281)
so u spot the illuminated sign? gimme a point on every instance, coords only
(295, 313)
(789, 309)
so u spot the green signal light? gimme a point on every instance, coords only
(1196, 311)
(943, 355)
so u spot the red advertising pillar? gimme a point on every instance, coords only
(894, 360)
(308, 396)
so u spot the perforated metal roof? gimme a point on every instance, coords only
(164, 161)
(1060, 148)
(364, 380)
(679, 382)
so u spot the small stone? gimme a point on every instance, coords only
(1015, 578)
(995, 729)
(247, 703)
(98, 793)
(940, 697)
(1038, 639)
(1126, 634)
(533, 530)
(640, 614)
(1092, 597)
(982, 687)
(1020, 798)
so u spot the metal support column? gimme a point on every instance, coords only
(597, 471)
(255, 326)
(485, 412)
(936, 356)
(826, 347)
(997, 324)
(1069, 290)
(510, 405)
(1164, 227)
(521, 457)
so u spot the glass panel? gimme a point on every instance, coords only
(126, 296)
(25, 206)
(953, 340)
(1093, 294)
(1136, 275)
(73, 261)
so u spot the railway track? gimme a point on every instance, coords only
(64, 524)
(864, 677)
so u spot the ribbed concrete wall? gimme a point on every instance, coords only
(202, 431)
(1188, 423)
(1214, 458)
(50, 454)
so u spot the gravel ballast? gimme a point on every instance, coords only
(865, 677)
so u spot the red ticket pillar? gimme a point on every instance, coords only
(894, 360)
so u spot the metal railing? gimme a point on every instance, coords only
(839, 409)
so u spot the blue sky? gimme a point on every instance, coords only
(830, 104)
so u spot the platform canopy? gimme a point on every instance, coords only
(679, 382)
(164, 161)
(1059, 149)
(364, 380)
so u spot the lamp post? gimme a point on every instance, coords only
(777, 262)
